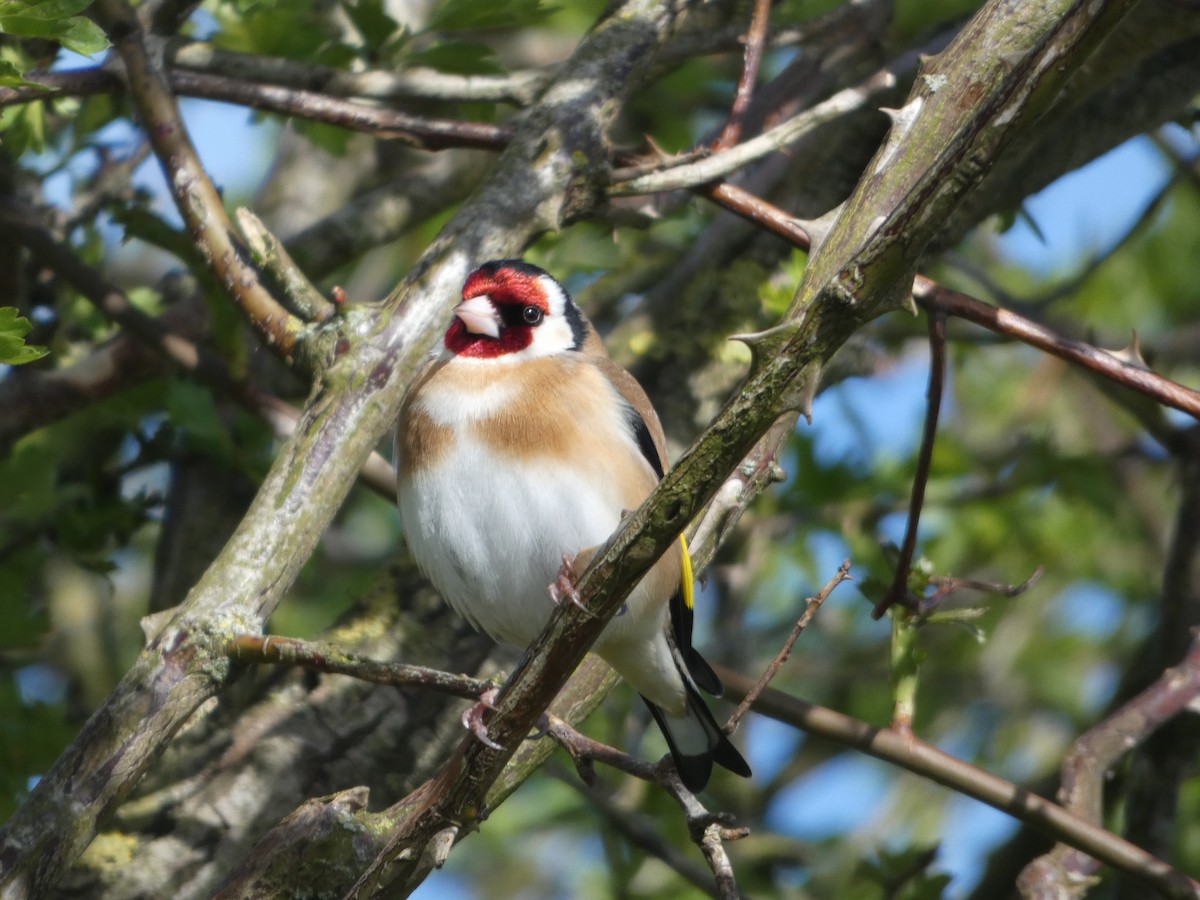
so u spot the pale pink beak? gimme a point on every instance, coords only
(479, 315)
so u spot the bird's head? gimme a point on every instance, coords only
(513, 310)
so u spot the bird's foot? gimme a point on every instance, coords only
(472, 718)
(563, 587)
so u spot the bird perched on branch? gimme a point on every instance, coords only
(519, 447)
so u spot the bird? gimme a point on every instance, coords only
(519, 448)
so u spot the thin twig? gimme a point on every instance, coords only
(274, 257)
(811, 605)
(948, 584)
(759, 212)
(392, 124)
(930, 294)
(328, 658)
(416, 83)
(756, 39)
(637, 830)
(898, 592)
(702, 171)
(707, 830)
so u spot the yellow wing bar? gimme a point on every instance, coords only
(686, 575)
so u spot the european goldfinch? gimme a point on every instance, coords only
(520, 445)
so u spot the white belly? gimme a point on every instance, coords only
(492, 541)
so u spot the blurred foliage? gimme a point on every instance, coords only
(1034, 467)
(13, 349)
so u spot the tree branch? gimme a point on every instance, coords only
(912, 754)
(1065, 872)
(811, 605)
(756, 39)
(196, 197)
(331, 659)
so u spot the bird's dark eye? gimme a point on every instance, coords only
(532, 315)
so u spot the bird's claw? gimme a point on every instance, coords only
(472, 718)
(563, 587)
(543, 728)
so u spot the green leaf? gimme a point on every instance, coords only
(13, 349)
(47, 10)
(76, 33)
(83, 36)
(10, 75)
(192, 410)
(459, 57)
(472, 15)
(373, 23)
(23, 128)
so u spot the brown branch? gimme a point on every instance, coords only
(948, 584)
(707, 830)
(328, 658)
(695, 173)
(914, 755)
(390, 124)
(417, 83)
(899, 592)
(761, 213)
(931, 295)
(1065, 871)
(756, 39)
(51, 86)
(196, 197)
(636, 830)
(811, 605)
(1002, 321)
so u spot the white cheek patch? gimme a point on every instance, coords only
(551, 337)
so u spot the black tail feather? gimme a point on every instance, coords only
(694, 762)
